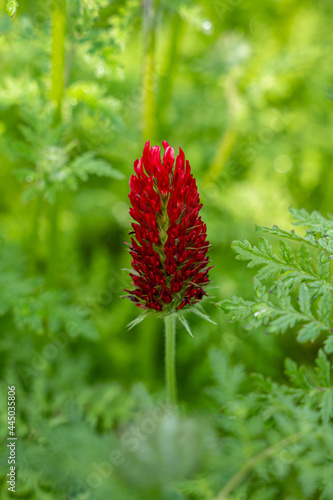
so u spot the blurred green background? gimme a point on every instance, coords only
(246, 89)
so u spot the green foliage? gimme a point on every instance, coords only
(52, 169)
(274, 435)
(319, 392)
(288, 425)
(300, 281)
(38, 310)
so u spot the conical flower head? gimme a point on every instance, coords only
(169, 244)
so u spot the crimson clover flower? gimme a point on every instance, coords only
(169, 244)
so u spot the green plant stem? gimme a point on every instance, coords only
(267, 453)
(148, 70)
(224, 151)
(170, 358)
(169, 73)
(58, 17)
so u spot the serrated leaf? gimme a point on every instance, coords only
(260, 290)
(283, 322)
(87, 164)
(263, 383)
(323, 369)
(325, 307)
(326, 406)
(296, 375)
(304, 300)
(304, 258)
(291, 271)
(308, 479)
(265, 247)
(283, 291)
(329, 344)
(287, 253)
(238, 307)
(304, 218)
(291, 235)
(309, 331)
(323, 265)
(228, 377)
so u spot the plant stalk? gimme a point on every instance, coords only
(250, 465)
(170, 358)
(148, 71)
(58, 17)
(167, 76)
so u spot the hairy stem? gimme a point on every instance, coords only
(170, 358)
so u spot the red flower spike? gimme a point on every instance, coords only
(169, 245)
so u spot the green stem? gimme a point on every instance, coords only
(166, 83)
(170, 357)
(58, 14)
(224, 150)
(148, 81)
(58, 18)
(250, 465)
